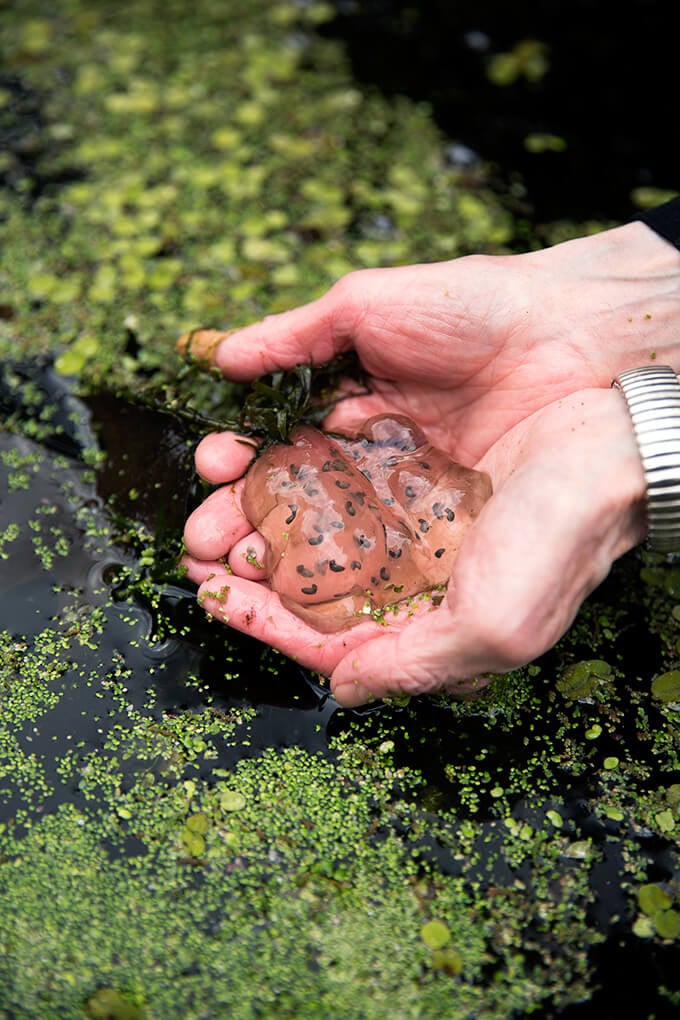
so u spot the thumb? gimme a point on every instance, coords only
(364, 308)
(316, 331)
(414, 660)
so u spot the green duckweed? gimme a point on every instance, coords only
(159, 859)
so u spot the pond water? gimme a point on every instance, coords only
(189, 826)
(93, 498)
(593, 88)
(89, 512)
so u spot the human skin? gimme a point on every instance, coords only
(506, 364)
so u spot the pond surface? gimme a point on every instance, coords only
(92, 499)
(189, 826)
(580, 113)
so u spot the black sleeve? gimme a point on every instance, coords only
(664, 220)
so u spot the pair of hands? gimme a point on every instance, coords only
(506, 364)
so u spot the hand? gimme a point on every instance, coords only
(470, 347)
(478, 351)
(569, 498)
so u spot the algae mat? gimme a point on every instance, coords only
(190, 828)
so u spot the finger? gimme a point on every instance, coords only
(219, 522)
(410, 656)
(224, 456)
(510, 598)
(411, 661)
(256, 610)
(514, 590)
(199, 345)
(367, 305)
(199, 571)
(316, 331)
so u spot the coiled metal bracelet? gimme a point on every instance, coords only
(652, 394)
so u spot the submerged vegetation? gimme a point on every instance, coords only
(188, 826)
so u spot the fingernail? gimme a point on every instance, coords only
(200, 345)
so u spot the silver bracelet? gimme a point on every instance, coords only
(653, 397)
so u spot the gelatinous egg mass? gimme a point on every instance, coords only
(354, 524)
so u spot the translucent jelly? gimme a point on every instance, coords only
(354, 524)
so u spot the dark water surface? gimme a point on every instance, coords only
(608, 89)
(102, 481)
(167, 645)
(144, 475)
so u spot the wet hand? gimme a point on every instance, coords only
(469, 348)
(486, 355)
(568, 500)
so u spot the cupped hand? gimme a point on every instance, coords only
(568, 500)
(470, 347)
(496, 359)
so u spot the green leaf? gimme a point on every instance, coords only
(435, 934)
(666, 687)
(653, 898)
